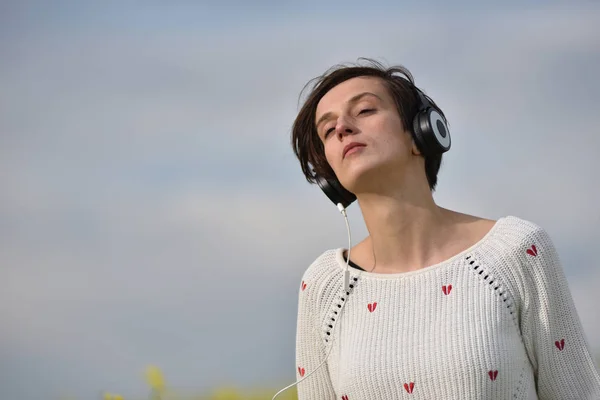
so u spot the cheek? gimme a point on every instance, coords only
(396, 133)
(330, 156)
(395, 143)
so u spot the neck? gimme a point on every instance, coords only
(406, 228)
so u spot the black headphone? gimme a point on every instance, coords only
(431, 135)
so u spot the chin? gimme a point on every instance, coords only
(361, 174)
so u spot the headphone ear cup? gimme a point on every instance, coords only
(334, 190)
(419, 133)
(431, 132)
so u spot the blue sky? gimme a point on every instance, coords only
(152, 208)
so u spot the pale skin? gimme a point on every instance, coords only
(407, 229)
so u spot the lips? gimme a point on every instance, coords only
(350, 146)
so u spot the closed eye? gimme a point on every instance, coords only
(363, 111)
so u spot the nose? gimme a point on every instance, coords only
(344, 127)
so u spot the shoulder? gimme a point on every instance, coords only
(323, 268)
(520, 234)
(533, 246)
(323, 278)
(515, 248)
(519, 252)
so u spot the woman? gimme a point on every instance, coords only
(437, 304)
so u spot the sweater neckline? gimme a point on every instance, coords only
(339, 257)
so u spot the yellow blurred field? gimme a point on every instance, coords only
(160, 390)
(219, 394)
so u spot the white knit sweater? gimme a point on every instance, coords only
(496, 321)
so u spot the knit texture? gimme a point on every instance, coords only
(496, 321)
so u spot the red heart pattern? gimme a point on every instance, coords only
(446, 289)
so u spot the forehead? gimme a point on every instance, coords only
(341, 93)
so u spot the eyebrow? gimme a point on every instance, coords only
(354, 99)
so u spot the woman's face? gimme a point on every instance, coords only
(361, 110)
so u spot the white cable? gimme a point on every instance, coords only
(347, 272)
(346, 290)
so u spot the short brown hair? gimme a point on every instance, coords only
(306, 144)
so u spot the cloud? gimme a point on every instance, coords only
(152, 209)
(585, 295)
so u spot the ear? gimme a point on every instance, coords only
(415, 149)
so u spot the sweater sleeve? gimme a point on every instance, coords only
(310, 350)
(552, 331)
